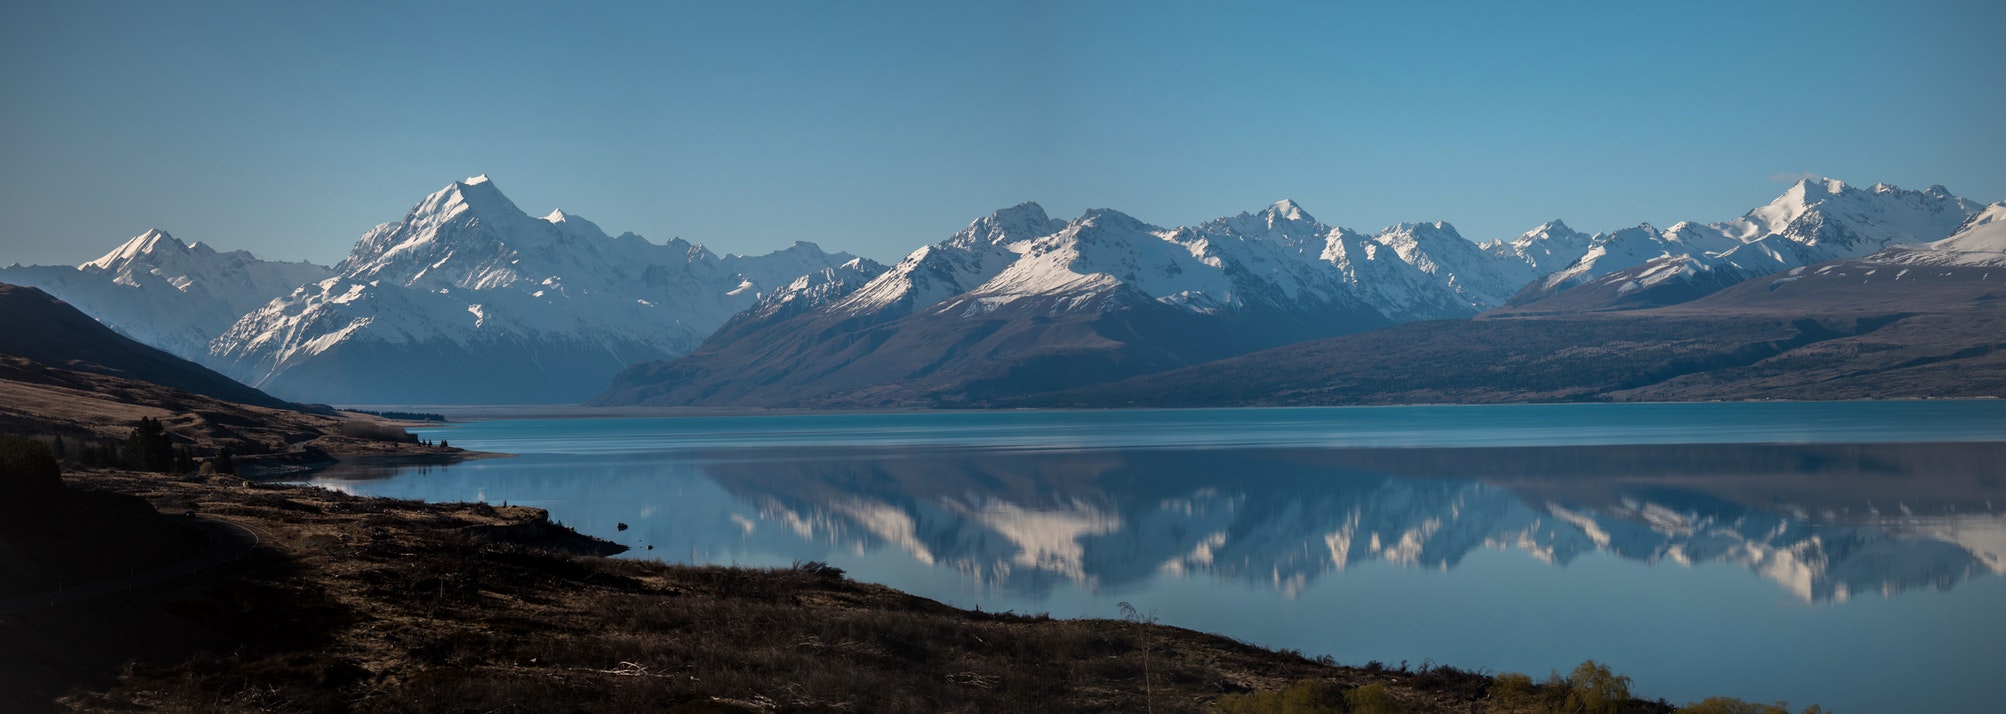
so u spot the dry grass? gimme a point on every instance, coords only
(367, 604)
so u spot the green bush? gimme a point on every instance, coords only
(1513, 693)
(1730, 705)
(1371, 699)
(1305, 697)
(1590, 689)
(1594, 689)
(1312, 697)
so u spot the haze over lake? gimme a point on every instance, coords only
(1847, 554)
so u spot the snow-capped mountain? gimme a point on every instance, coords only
(547, 308)
(1019, 301)
(1814, 221)
(1979, 243)
(808, 292)
(1549, 247)
(1281, 257)
(172, 295)
(470, 300)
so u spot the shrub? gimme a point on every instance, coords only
(813, 567)
(1371, 699)
(28, 471)
(1594, 689)
(1306, 697)
(1513, 693)
(147, 448)
(225, 461)
(1730, 705)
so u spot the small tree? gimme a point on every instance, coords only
(1142, 625)
(28, 471)
(148, 447)
(1594, 689)
(225, 462)
(61, 451)
(107, 454)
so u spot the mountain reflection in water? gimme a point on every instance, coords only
(1720, 568)
(1825, 522)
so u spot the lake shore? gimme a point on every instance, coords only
(351, 602)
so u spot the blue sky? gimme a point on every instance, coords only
(291, 128)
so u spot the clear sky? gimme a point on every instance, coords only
(289, 128)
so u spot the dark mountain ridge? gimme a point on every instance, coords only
(44, 330)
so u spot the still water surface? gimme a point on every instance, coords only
(1847, 554)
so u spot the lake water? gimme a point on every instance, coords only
(1847, 554)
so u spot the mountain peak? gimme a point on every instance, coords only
(1807, 189)
(1020, 222)
(477, 194)
(1432, 227)
(1028, 212)
(152, 242)
(1551, 230)
(1288, 209)
(1108, 216)
(575, 225)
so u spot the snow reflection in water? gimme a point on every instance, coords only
(1859, 561)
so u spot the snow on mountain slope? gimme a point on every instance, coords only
(1983, 233)
(1549, 247)
(1979, 243)
(1104, 250)
(1813, 221)
(493, 305)
(168, 294)
(1280, 257)
(1476, 275)
(1019, 302)
(954, 266)
(808, 292)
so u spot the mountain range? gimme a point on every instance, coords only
(1909, 321)
(168, 294)
(1019, 304)
(468, 299)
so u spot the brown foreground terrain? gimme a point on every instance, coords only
(362, 604)
(40, 400)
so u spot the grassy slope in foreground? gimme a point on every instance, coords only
(385, 605)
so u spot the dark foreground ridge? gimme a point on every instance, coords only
(351, 603)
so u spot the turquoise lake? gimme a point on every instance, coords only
(1846, 554)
